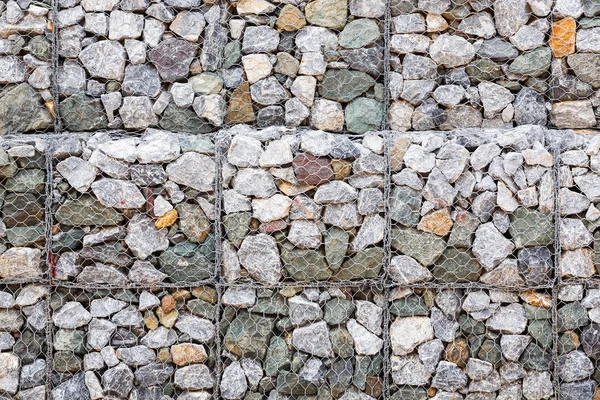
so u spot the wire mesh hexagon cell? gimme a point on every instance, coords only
(302, 342)
(316, 63)
(26, 97)
(472, 208)
(134, 210)
(484, 344)
(24, 340)
(578, 198)
(303, 208)
(23, 225)
(152, 344)
(490, 64)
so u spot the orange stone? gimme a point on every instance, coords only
(168, 304)
(166, 220)
(438, 222)
(397, 151)
(290, 19)
(457, 352)
(562, 39)
(240, 109)
(537, 299)
(205, 293)
(187, 353)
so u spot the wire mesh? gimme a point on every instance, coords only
(490, 64)
(485, 344)
(472, 208)
(153, 344)
(302, 342)
(134, 211)
(303, 208)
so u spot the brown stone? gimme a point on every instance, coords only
(311, 170)
(181, 295)
(374, 386)
(166, 220)
(290, 19)
(397, 151)
(150, 320)
(205, 293)
(562, 39)
(167, 319)
(273, 226)
(168, 304)
(327, 13)
(457, 352)
(537, 299)
(187, 353)
(291, 190)
(341, 169)
(240, 109)
(164, 355)
(438, 222)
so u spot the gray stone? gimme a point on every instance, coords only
(449, 377)
(451, 51)
(260, 39)
(260, 256)
(313, 339)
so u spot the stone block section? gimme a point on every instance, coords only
(484, 344)
(315, 63)
(134, 344)
(299, 342)
(134, 210)
(577, 350)
(301, 207)
(22, 202)
(23, 340)
(579, 203)
(26, 104)
(135, 65)
(472, 207)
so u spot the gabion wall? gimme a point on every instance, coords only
(299, 199)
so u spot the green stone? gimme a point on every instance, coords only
(566, 343)
(86, 210)
(81, 112)
(541, 332)
(469, 326)
(463, 230)
(424, 247)
(409, 393)
(535, 358)
(305, 265)
(192, 222)
(67, 240)
(532, 63)
(202, 308)
(399, 7)
(22, 209)
(490, 351)
(190, 268)
(533, 312)
(405, 206)
(202, 144)
(361, 369)
(343, 85)
(359, 33)
(206, 83)
(232, 54)
(336, 246)
(284, 324)
(278, 356)
(340, 374)
(27, 180)
(69, 340)
(483, 70)
(596, 255)
(40, 47)
(207, 249)
(248, 335)
(22, 110)
(410, 306)
(366, 264)
(26, 235)
(338, 311)
(271, 305)
(177, 119)
(342, 342)
(456, 265)
(531, 228)
(586, 23)
(290, 383)
(572, 316)
(66, 361)
(237, 226)
(363, 115)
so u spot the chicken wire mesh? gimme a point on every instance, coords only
(23, 225)
(26, 97)
(303, 342)
(23, 341)
(301, 207)
(484, 344)
(132, 210)
(484, 63)
(127, 344)
(471, 208)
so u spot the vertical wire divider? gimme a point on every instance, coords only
(387, 185)
(49, 345)
(55, 67)
(386, 343)
(386, 63)
(554, 369)
(48, 212)
(218, 362)
(556, 152)
(218, 207)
